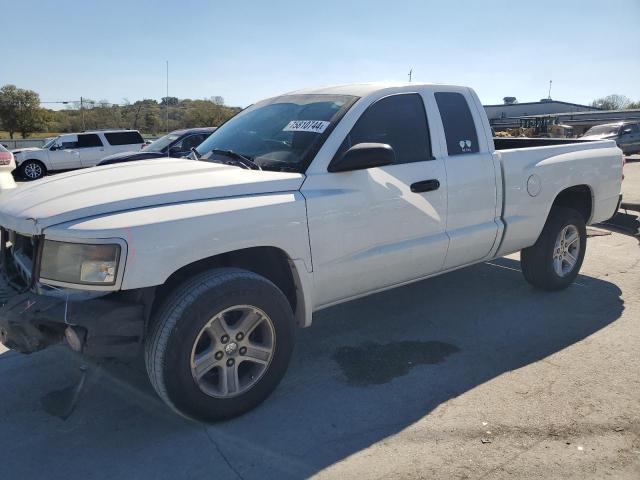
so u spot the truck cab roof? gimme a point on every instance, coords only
(366, 89)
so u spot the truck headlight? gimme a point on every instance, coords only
(79, 263)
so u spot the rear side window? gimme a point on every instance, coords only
(397, 120)
(89, 140)
(459, 128)
(124, 138)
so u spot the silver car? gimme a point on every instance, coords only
(626, 135)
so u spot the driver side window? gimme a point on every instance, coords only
(68, 145)
(397, 120)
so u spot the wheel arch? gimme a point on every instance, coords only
(577, 197)
(271, 262)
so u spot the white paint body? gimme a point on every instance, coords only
(347, 234)
(73, 158)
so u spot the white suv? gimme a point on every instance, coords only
(74, 150)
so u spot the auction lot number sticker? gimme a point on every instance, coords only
(315, 126)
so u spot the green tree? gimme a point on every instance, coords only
(169, 101)
(612, 102)
(20, 111)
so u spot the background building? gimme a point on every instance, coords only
(506, 115)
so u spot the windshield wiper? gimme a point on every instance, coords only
(246, 162)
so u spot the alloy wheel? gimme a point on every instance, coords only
(233, 351)
(33, 171)
(566, 251)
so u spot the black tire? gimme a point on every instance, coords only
(32, 170)
(537, 261)
(177, 326)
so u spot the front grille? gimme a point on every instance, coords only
(19, 254)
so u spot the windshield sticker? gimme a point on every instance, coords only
(315, 126)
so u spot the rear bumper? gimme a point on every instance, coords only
(30, 322)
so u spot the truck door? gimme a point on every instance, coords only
(471, 181)
(91, 149)
(64, 154)
(382, 226)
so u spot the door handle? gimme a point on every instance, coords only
(425, 186)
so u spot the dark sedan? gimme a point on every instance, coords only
(175, 144)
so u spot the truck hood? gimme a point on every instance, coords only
(113, 188)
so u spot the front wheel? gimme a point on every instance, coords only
(220, 344)
(554, 261)
(32, 170)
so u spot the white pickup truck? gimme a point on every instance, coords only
(300, 202)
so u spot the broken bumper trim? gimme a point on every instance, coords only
(30, 322)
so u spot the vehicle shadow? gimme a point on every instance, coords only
(365, 370)
(623, 222)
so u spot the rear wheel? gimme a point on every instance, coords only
(554, 261)
(220, 344)
(32, 170)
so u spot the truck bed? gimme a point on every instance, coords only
(552, 163)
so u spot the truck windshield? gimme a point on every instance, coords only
(160, 144)
(281, 133)
(603, 130)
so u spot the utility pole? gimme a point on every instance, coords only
(82, 112)
(167, 97)
(410, 73)
(549, 96)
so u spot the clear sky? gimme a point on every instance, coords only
(248, 50)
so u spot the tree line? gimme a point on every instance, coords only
(615, 102)
(22, 113)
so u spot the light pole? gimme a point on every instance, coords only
(67, 102)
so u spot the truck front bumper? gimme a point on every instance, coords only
(106, 326)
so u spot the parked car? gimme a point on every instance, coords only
(625, 134)
(7, 165)
(74, 150)
(175, 144)
(299, 202)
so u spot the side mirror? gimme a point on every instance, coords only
(363, 156)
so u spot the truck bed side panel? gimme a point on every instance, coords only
(598, 165)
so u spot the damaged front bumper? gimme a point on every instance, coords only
(108, 326)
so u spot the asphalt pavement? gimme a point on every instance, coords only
(473, 374)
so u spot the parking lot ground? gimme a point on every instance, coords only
(473, 374)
